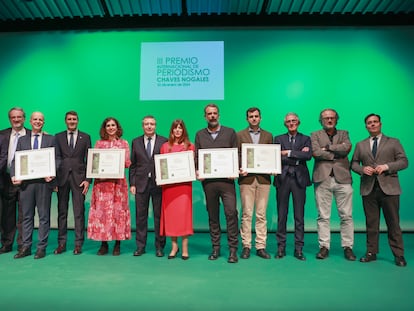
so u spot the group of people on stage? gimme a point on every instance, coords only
(377, 159)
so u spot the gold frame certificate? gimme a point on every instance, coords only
(261, 158)
(174, 167)
(218, 163)
(105, 163)
(34, 164)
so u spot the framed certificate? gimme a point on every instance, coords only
(33, 164)
(174, 167)
(218, 163)
(261, 158)
(105, 163)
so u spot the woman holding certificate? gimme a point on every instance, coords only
(109, 216)
(176, 210)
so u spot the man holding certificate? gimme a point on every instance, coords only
(254, 189)
(212, 137)
(36, 192)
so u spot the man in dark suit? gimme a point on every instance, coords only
(254, 189)
(72, 145)
(218, 136)
(378, 159)
(3, 166)
(296, 149)
(9, 192)
(143, 185)
(35, 192)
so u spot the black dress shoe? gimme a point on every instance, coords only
(77, 250)
(233, 256)
(5, 249)
(214, 254)
(40, 253)
(368, 257)
(298, 254)
(159, 252)
(60, 249)
(400, 261)
(173, 255)
(349, 254)
(323, 253)
(262, 253)
(245, 253)
(139, 251)
(24, 251)
(280, 253)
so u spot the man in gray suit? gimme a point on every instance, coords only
(332, 178)
(378, 159)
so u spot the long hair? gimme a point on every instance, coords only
(184, 137)
(104, 134)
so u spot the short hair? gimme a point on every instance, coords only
(148, 117)
(292, 114)
(252, 109)
(104, 134)
(72, 112)
(18, 109)
(372, 115)
(329, 109)
(211, 105)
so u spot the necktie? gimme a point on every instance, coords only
(36, 142)
(374, 146)
(149, 147)
(71, 143)
(292, 142)
(13, 150)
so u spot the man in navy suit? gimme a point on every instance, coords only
(143, 185)
(35, 192)
(377, 159)
(72, 146)
(296, 149)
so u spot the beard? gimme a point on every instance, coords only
(213, 124)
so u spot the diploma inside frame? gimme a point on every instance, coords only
(105, 163)
(174, 167)
(218, 163)
(261, 158)
(33, 164)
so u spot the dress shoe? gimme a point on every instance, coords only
(214, 254)
(185, 257)
(77, 250)
(60, 249)
(262, 253)
(159, 252)
(368, 257)
(280, 253)
(245, 253)
(298, 254)
(400, 261)
(233, 256)
(323, 253)
(5, 249)
(24, 251)
(40, 253)
(349, 254)
(173, 255)
(103, 250)
(139, 251)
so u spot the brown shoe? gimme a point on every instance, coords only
(117, 249)
(103, 250)
(77, 250)
(60, 249)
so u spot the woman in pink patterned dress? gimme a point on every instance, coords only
(109, 215)
(176, 209)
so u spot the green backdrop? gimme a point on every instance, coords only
(353, 70)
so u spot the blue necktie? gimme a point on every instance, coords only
(149, 147)
(36, 142)
(374, 146)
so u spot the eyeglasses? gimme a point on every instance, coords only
(292, 121)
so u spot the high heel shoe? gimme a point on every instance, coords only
(172, 256)
(185, 257)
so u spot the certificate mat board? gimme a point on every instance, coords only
(174, 167)
(105, 163)
(261, 158)
(218, 163)
(33, 164)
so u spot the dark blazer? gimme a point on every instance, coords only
(244, 137)
(73, 160)
(25, 143)
(390, 152)
(3, 157)
(297, 159)
(141, 165)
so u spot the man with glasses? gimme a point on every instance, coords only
(332, 179)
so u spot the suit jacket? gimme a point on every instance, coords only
(3, 158)
(141, 164)
(244, 137)
(390, 152)
(336, 159)
(25, 143)
(297, 159)
(73, 160)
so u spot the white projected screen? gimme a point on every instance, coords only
(182, 70)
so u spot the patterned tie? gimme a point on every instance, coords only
(149, 147)
(374, 146)
(36, 142)
(71, 142)
(13, 150)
